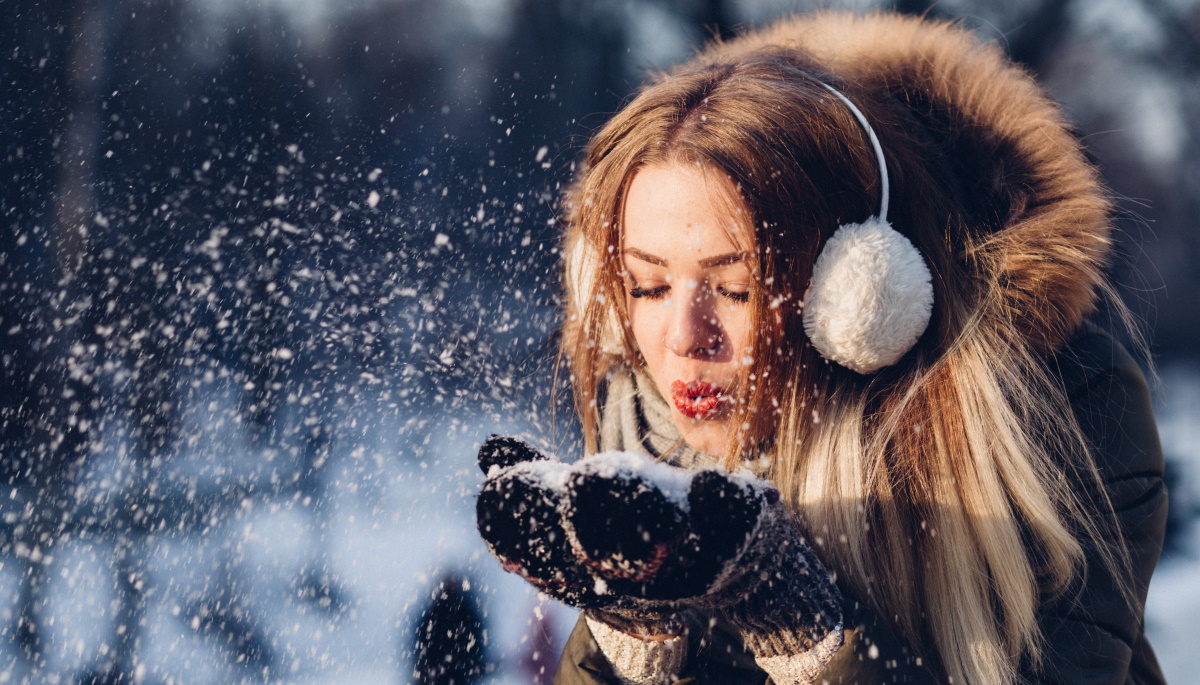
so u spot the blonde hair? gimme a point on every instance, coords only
(940, 490)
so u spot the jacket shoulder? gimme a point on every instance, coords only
(1095, 635)
(1111, 400)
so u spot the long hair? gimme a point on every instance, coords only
(939, 489)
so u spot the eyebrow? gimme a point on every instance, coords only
(706, 263)
(644, 256)
(723, 259)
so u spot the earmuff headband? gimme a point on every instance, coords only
(879, 158)
(871, 293)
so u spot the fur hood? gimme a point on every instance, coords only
(1046, 233)
(1041, 232)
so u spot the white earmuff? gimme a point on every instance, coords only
(871, 293)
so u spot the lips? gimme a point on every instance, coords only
(698, 399)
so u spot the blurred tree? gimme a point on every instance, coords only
(451, 640)
(47, 393)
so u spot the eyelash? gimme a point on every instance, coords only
(740, 298)
(661, 291)
(649, 293)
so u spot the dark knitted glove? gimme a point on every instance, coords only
(520, 515)
(633, 542)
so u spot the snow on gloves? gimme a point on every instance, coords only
(633, 542)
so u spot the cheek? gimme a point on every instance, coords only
(648, 331)
(740, 330)
(640, 324)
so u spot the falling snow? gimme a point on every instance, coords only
(272, 271)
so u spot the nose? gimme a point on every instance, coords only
(693, 329)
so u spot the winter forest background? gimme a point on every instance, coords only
(270, 271)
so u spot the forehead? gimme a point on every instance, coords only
(684, 208)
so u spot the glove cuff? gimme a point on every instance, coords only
(635, 661)
(799, 668)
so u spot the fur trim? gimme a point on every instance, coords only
(1041, 250)
(1009, 144)
(870, 297)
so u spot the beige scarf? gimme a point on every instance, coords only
(634, 417)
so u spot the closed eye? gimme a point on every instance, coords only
(649, 293)
(739, 296)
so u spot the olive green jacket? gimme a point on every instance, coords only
(1093, 637)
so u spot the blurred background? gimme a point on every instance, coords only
(270, 271)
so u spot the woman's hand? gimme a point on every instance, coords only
(633, 542)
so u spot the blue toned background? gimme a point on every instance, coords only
(271, 270)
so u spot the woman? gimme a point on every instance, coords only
(857, 255)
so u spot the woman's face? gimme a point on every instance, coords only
(687, 245)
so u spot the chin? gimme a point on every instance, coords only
(709, 437)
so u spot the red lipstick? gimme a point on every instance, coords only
(697, 399)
